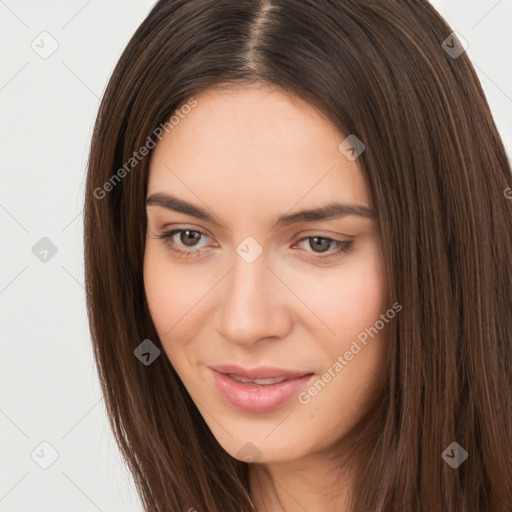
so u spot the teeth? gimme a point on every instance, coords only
(261, 382)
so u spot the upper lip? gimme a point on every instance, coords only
(262, 372)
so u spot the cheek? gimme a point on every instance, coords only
(167, 292)
(341, 300)
(167, 308)
(359, 303)
(347, 299)
(175, 295)
(157, 286)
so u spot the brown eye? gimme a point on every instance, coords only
(320, 243)
(330, 246)
(179, 240)
(188, 237)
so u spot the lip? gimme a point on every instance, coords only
(263, 372)
(259, 399)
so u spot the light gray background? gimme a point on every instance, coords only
(48, 383)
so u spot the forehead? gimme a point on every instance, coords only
(255, 147)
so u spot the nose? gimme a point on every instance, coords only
(253, 303)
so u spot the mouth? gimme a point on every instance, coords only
(257, 382)
(259, 395)
(260, 373)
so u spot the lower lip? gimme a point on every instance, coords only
(253, 398)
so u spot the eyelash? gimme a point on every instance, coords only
(343, 247)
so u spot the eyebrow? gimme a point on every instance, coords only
(329, 211)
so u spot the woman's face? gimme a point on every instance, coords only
(232, 286)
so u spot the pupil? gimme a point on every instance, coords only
(325, 244)
(187, 237)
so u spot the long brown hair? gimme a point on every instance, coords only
(437, 174)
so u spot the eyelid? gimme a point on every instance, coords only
(168, 234)
(322, 233)
(166, 228)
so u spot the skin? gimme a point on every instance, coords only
(249, 155)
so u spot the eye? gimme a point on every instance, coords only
(188, 238)
(184, 242)
(323, 244)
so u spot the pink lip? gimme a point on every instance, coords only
(257, 399)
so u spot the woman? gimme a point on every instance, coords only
(297, 256)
